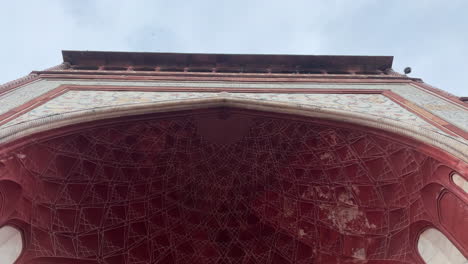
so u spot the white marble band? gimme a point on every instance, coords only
(451, 145)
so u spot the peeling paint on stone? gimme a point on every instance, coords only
(302, 233)
(20, 156)
(360, 253)
(348, 219)
(346, 198)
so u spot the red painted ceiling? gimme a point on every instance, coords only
(221, 186)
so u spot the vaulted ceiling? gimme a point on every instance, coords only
(224, 186)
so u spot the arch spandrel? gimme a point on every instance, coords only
(453, 145)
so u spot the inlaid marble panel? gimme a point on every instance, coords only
(460, 182)
(436, 248)
(454, 114)
(11, 244)
(73, 101)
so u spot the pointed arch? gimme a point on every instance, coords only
(451, 145)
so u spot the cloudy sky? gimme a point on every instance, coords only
(430, 36)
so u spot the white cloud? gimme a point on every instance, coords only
(430, 37)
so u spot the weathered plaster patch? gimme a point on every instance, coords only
(346, 198)
(348, 219)
(360, 253)
(301, 233)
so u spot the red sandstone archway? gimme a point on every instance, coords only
(227, 186)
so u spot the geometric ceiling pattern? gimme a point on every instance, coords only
(220, 186)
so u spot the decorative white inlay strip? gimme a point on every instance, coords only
(73, 101)
(451, 112)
